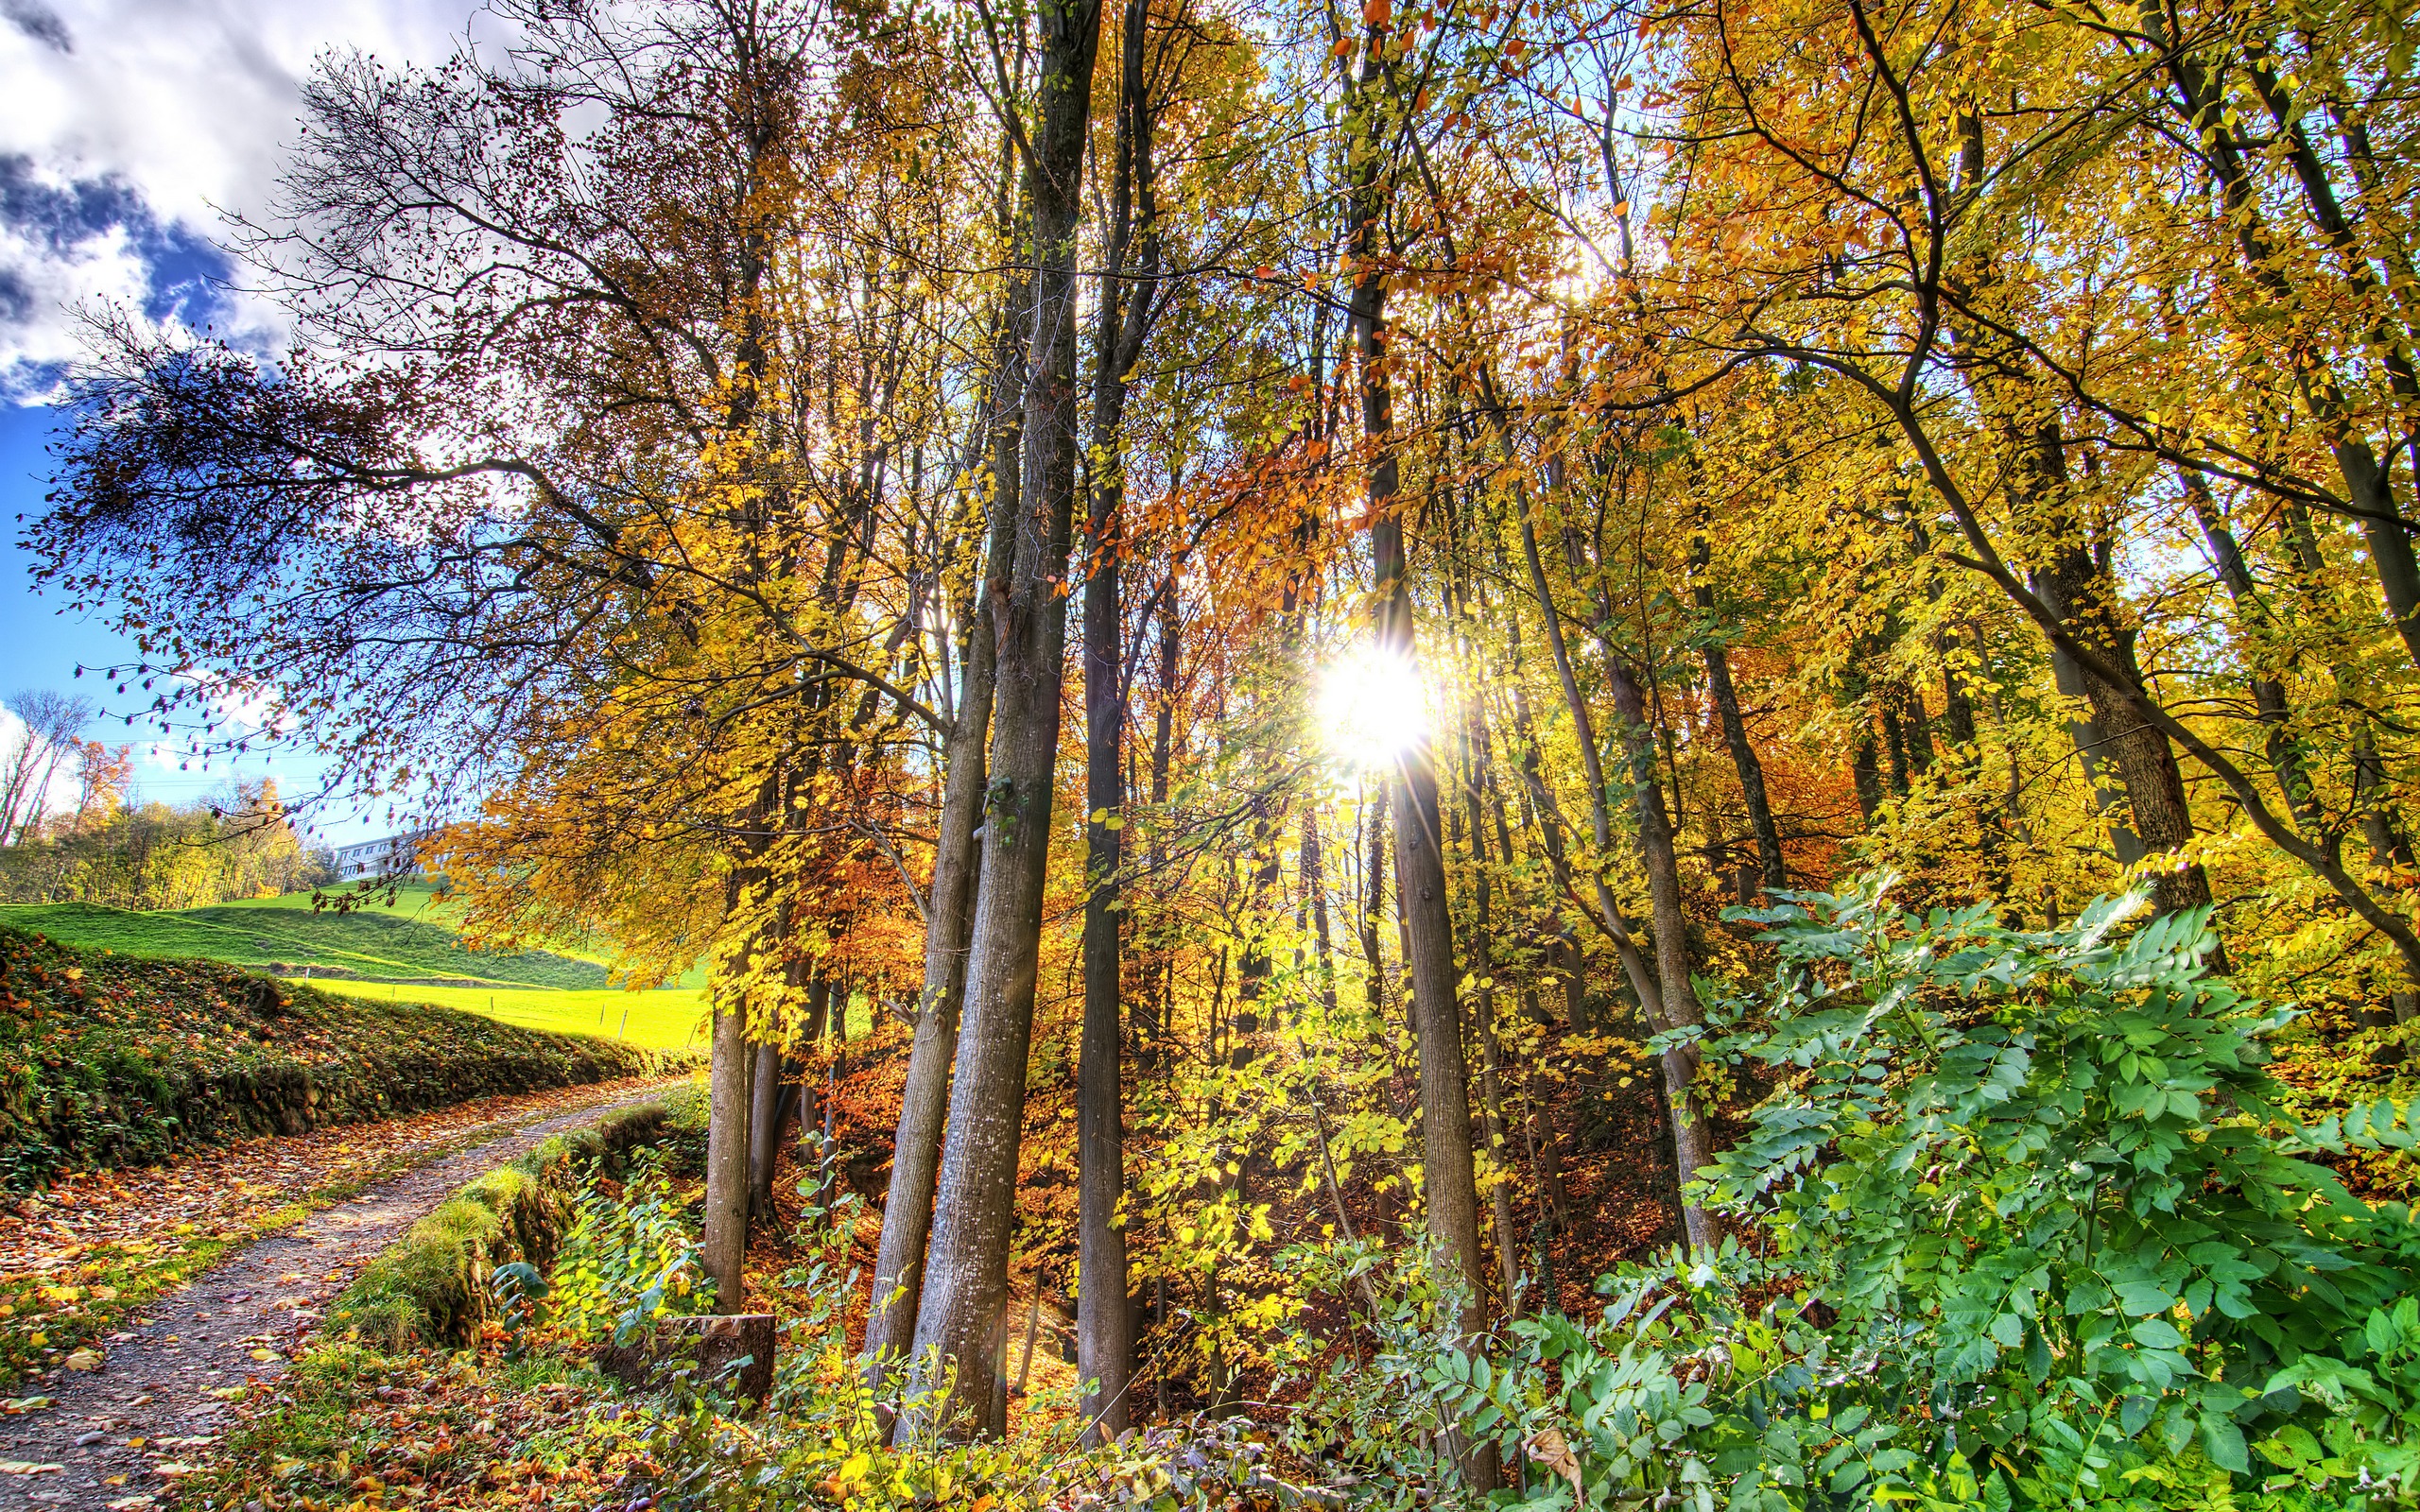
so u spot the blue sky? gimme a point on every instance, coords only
(130, 130)
(38, 647)
(41, 646)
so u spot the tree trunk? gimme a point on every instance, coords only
(2268, 693)
(763, 1133)
(1373, 906)
(727, 1098)
(2373, 802)
(1865, 775)
(1479, 762)
(1691, 1148)
(1545, 1152)
(1314, 866)
(1679, 1064)
(1104, 1313)
(2084, 596)
(967, 1270)
(949, 912)
(2091, 747)
(1151, 1029)
(1448, 1179)
(1770, 863)
(1572, 963)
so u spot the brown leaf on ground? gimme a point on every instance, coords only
(75, 1259)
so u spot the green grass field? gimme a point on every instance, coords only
(403, 951)
(668, 1019)
(423, 903)
(378, 945)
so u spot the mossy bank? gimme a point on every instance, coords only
(109, 1060)
(432, 1286)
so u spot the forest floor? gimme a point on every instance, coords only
(108, 1430)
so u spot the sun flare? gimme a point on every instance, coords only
(1373, 707)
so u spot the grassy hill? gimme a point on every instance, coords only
(423, 904)
(110, 1059)
(371, 945)
(399, 952)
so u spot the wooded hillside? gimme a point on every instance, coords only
(1406, 653)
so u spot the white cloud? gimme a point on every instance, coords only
(127, 125)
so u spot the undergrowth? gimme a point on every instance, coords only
(516, 1417)
(2026, 1224)
(2023, 1221)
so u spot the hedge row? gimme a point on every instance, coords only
(431, 1287)
(110, 1060)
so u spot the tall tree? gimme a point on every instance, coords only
(1448, 1181)
(1127, 305)
(967, 1270)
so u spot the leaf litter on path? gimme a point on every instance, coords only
(77, 1259)
(169, 1375)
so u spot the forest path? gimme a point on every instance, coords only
(114, 1436)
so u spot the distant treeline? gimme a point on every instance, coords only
(72, 829)
(152, 855)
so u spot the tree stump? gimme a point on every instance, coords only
(708, 1347)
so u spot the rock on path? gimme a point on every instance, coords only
(118, 1433)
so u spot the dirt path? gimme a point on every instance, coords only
(119, 1435)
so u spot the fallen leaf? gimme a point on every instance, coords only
(82, 1359)
(27, 1466)
(1549, 1450)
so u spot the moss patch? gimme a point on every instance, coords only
(431, 1287)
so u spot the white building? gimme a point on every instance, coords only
(396, 855)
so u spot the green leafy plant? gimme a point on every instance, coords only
(519, 1292)
(628, 1258)
(2027, 1228)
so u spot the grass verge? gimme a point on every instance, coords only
(431, 1287)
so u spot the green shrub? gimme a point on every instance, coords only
(629, 1257)
(2028, 1229)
